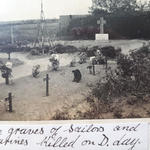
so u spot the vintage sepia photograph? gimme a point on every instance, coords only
(74, 59)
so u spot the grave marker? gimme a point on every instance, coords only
(7, 80)
(93, 66)
(47, 84)
(101, 36)
(101, 22)
(9, 100)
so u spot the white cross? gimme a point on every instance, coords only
(101, 22)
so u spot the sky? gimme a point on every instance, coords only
(12, 10)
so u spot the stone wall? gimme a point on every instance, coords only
(66, 19)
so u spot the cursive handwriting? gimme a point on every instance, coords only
(84, 129)
(59, 142)
(75, 136)
(103, 142)
(127, 141)
(126, 128)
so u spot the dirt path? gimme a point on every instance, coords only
(65, 59)
(26, 68)
(29, 100)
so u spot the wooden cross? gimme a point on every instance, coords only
(47, 84)
(9, 100)
(93, 66)
(102, 22)
(7, 76)
(7, 80)
(8, 55)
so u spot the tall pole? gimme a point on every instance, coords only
(42, 19)
(12, 34)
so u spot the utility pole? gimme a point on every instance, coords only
(42, 34)
(12, 40)
(40, 39)
(42, 25)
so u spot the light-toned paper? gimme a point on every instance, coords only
(75, 136)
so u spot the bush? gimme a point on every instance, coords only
(110, 52)
(64, 49)
(133, 115)
(91, 52)
(125, 64)
(34, 52)
(59, 115)
(113, 85)
(132, 76)
(117, 113)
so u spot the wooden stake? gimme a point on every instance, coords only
(47, 84)
(93, 68)
(10, 102)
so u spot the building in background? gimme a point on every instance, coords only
(65, 20)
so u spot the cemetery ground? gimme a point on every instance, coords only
(67, 99)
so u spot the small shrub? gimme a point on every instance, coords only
(117, 113)
(132, 100)
(61, 116)
(91, 51)
(64, 49)
(110, 52)
(133, 115)
(34, 52)
(146, 98)
(148, 112)
(125, 64)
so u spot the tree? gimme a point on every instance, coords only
(96, 11)
(115, 6)
(142, 5)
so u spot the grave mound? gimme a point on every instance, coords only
(108, 51)
(65, 49)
